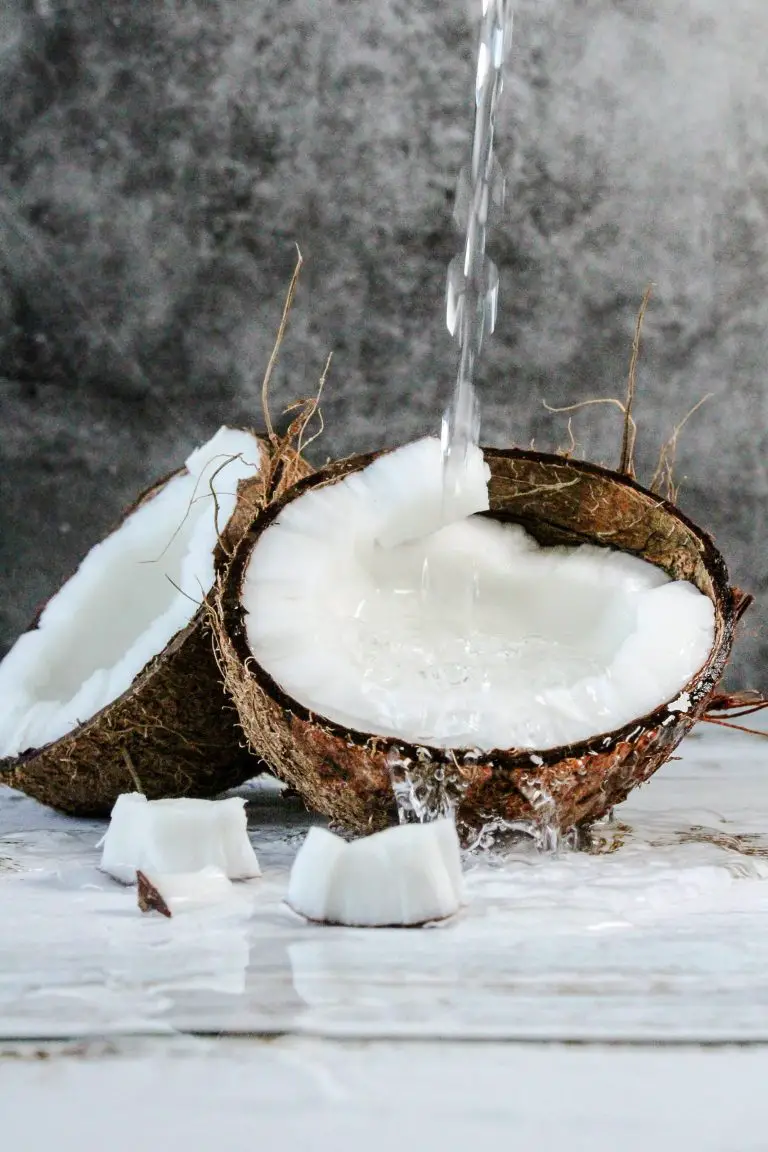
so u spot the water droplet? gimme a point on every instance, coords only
(491, 195)
(471, 302)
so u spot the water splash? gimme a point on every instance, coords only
(424, 792)
(497, 840)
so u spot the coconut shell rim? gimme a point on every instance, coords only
(730, 604)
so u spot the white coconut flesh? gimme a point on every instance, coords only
(185, 838)
(402, 876)
(471, 636)
(131, 594)
(186, 889)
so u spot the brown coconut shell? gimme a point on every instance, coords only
(348, 774)
(174, 732)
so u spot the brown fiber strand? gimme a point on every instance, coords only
(629, 434)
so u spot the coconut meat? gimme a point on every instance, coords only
(184, 889)
(131, 594)
(471, 636)
(405, 875)
(178, 838)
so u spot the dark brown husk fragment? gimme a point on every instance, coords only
(347, 775)
(148, 897)
(174, 732)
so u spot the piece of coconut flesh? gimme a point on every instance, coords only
(471, 636)
(131, 594)
(199, 842)
(184, 889)
(403, 876)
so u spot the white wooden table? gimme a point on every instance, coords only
(645, 959)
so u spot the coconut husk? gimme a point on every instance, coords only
(149, 898)
(174, 732)
(348, 775)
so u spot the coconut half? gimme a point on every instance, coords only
(116, 684)
(531, 664)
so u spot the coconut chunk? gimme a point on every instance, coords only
(410, 512)
(179, 890)
(402, 876)
(177, 837)
(367, 607)
(131, 595)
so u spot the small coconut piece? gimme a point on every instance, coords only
(177, 837)
(649, 594)
(169, 892)
(403, 876)
(149, 898)
(116, 683)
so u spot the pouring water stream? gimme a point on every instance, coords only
(471, 303)
(473, 278)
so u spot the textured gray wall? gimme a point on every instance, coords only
(158, 162)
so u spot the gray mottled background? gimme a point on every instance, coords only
(159, 160)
